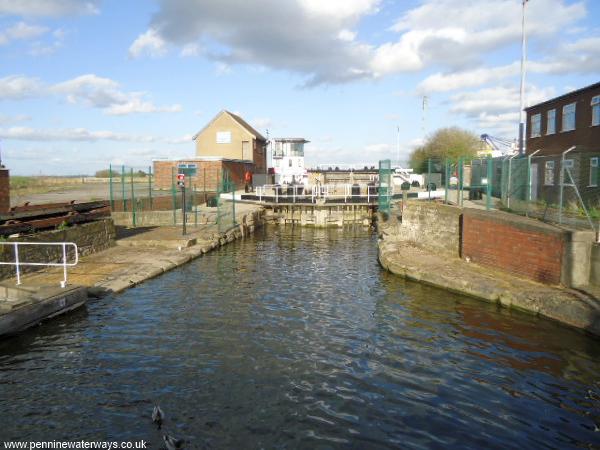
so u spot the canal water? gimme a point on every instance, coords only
(297, 339)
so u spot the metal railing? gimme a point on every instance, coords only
(64, 264)
(342, 193)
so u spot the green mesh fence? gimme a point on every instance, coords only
(225, 202)
(556, 189)
(385, 185)
(133, 190)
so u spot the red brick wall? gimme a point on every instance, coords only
(4, 190)
(514, 244)
(208, 173)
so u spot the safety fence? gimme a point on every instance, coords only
(327, 193)
(226, 203)
(561, 189)
(137, 190)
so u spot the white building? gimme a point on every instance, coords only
(288, 160)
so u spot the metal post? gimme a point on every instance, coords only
(183, 209)
(509, 181)
(233, 201)
(110, 188)
(429, 177)
(447, 174)
(529, 181)
(522, 87)
(488, 200)
(132, 200)
(195, 206)
(174, 196)
(460, 181)
(150, 185)
(16, 244)
(205, 197)
(64, 249)
(123, 188)
(561, 180)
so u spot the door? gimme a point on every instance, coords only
(246, 151)
(534, 181)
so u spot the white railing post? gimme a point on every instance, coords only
(64, 264)
(17, 263)
(64, 250)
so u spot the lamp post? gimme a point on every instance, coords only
(522, 90)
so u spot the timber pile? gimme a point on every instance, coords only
(31, 218)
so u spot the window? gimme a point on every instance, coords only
(594, 171)
(551, 121)
(290, 163)
(568, 117)
(536, 125)
(223, 137)
(549, 173)
(595, 110)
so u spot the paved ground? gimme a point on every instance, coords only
(144, 253)
(81, 192)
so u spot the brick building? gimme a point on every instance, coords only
(568, 122)
(228, 143)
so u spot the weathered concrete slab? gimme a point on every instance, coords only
(25, 306)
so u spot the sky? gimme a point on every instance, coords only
(88, 83)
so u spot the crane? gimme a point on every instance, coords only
(499, 146)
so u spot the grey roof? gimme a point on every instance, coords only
(239, 120)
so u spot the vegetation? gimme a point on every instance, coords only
(451, 143)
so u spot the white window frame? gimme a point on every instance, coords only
(594, 168)
(565, 114)
(553, 121)
(536, 125)
(595, 104)
(549, 166)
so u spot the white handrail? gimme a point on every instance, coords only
(64, 264)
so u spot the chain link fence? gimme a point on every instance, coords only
(226, 202)
(134, 190)
(563, 189)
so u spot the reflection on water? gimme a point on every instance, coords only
(296, 338)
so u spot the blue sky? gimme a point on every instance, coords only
(88, 83)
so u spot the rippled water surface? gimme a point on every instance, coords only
(296, 338)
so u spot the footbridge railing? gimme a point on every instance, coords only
(62, 247)
(328, 193)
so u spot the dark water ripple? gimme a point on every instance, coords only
(298, 340)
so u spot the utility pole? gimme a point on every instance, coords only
(522, 91)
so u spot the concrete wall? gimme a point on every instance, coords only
(433, 226)
(90, 238)
(524, 247)
(595, 265)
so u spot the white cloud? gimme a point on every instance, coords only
(189, 50)
(149, 43)
(6, 120)
(104, 93)
(17, 87)
(69, 134)
(137, 105)
(21, 31)
(47, 7)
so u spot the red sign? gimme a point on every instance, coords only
(181, 176)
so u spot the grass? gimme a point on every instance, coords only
(41, 184)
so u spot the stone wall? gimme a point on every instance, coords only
(431, 225)
(90, 238)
